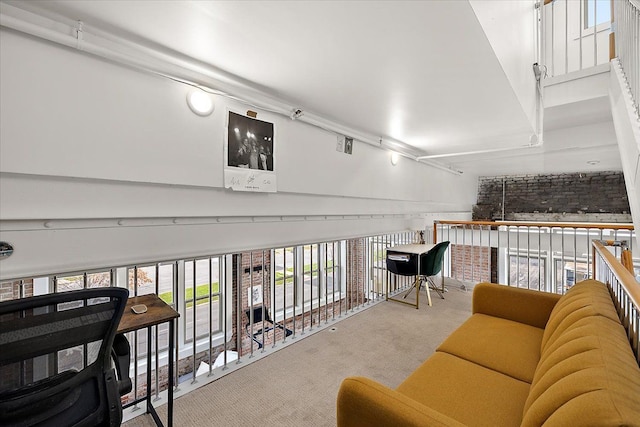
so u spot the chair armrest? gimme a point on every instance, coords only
(508, 302)
(120, 353)
(363, 402)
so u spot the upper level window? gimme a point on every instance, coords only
(596, 12)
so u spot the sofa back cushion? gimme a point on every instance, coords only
(586, 299)
(587, 374)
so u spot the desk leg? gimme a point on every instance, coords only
(417, 282)
(170, 384)
(388, 285)
(149, 407)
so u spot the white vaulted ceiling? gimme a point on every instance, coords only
(420, 72)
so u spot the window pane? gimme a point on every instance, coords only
(99, 280)
(145, 283)
(332, 267)
(310, 272)
(203, 297)
(69, 283)
(284, 273)
(165, 283)
(525, 272)
(598, 11)
(569, 273)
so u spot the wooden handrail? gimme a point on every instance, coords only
(627, 260)
(631, 286)
(601, 226)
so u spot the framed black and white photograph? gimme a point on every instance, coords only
(249, 154)
(256, 295)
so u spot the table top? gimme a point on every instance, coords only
(158, 312)
(415, 248)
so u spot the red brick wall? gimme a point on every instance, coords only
(11, 290)
(474, 263)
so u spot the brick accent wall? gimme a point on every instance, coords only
(355, 272)
(11, 290)
(591, 196)
(474, 263)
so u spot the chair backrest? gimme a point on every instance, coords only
(432, 262)
(55, 358)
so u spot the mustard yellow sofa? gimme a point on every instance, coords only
(523, 358)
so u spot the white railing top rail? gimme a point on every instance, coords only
(624, 277)
(594, 225)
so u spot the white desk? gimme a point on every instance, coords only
(417, 250)
(414, 248)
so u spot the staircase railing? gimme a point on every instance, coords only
(626, 18)
(624, 289)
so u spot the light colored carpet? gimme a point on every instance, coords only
(298, 385)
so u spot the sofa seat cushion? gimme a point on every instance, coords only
(467, 392)
(509, 347)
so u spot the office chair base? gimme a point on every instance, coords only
(418, 283)
(440, 291)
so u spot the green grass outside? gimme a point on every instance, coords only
(306, 270)
(202, 291)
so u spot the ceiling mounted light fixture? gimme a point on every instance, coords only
(593, 162)
(394, 158)
(200, 102)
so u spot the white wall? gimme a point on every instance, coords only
(510, 27)
(104, 165)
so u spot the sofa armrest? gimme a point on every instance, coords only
(508, 302)
(363, 402)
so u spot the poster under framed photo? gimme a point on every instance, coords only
(249, 154)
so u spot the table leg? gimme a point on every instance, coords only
(388, 285)
(149, 406)
(170, 385)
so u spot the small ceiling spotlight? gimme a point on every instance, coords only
(593, 162)
(394, 158)
(296, 114)
(200, 102)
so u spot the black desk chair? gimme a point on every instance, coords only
(430, 265)
(255, 323)
(55, 359)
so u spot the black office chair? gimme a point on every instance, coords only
(255, 323)
(430, 265)
(55, 359)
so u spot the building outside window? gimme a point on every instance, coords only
(527, 272)
(568, 273)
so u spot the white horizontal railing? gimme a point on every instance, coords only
(304, 289)
(535, 255)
